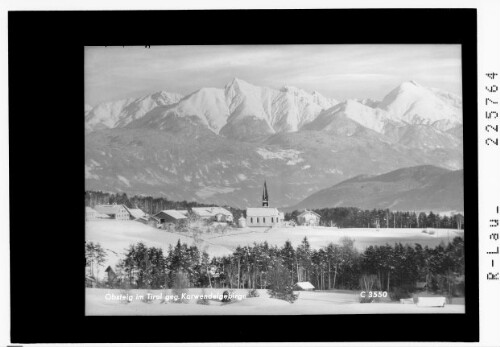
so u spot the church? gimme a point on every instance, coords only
(264, 216)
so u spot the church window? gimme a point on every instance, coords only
(258, 220)
(251, 219)
(263, 219)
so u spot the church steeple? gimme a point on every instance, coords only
(265, 196)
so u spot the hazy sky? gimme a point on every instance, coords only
(337, 71)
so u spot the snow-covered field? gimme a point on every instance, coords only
(101, 302)
(115, 236)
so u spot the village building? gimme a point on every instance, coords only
(242, 222)
(213, 214)
(264, 216)
(169, 216)
(309, 218)
(114, 211)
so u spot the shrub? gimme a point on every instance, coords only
(253, 293)
(203, 299)
(403, 292)
(365, 300)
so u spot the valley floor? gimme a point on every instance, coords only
(100, 302)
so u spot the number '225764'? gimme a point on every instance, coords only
(491, 114)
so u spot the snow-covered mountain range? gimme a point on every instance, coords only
(119, 113)
(219, 144)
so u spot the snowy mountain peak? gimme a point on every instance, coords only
(119, 113)
(238, 85)
(413, 103)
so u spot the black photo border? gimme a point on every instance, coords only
(46, 135)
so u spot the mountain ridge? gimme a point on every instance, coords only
(218, 145)
(417, 188)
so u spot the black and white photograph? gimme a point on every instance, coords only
(250, 174)
(298, 179)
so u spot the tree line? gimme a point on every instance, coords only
(148, 204)
(352, 217)
(393, 268)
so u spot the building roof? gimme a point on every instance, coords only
(135, 212)
(241, 218)
(173, 213)
(210, 211)
(262, 212)
(307, 211)
(304, 285)
(108, 209)
(89, 209)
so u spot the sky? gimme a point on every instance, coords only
(336, 71)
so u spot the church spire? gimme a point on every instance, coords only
(265, 196)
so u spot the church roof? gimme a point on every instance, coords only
(262, 212)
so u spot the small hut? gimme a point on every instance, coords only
(242, 222)
(304, 286)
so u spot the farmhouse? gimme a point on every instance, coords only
(136, 213)
(169, 216)
(309, 218)
(215, 214)
(114, 211)
(264, 216)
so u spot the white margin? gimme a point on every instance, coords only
(489, 160)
